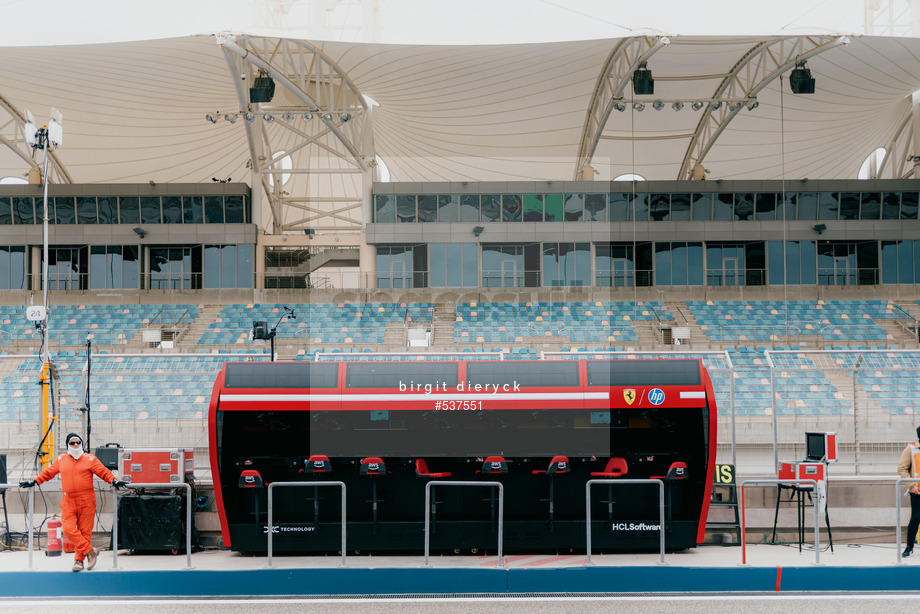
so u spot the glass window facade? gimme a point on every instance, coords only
(566, 264)
(402, 266)
(228, 266)
(643, 207)
(454, 265)
(67, 268)
(175, 268)
(13, 267)
(114, 267)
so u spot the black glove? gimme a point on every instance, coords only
(119, 484)
(28, 484)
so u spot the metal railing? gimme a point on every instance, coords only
(188, 519)
(271, 525)
(501, 510)
(610, 482)
(814, 484)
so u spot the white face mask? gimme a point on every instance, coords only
(75, 451)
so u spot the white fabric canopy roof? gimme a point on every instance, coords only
(135, 111)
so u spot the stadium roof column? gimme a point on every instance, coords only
(914, 150)
(315, 134)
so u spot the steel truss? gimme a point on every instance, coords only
(760, 66)
(319, 114)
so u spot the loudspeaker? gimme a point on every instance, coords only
(801, 81)
(260, 330)
(643, 83)
(262, 90)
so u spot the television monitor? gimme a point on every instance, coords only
(815, 446)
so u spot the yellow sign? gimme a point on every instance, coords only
(629, 396)
(725, 474)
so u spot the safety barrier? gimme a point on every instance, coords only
(814, 485)
(897, 504)
(501, 510)
(271, 525)
(661, 527)
(188, 519)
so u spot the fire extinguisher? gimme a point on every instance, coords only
(55, 533)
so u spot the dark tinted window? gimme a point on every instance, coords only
(391, 375)
(22, 210)
(281, 375)
(235, 210)
(150, 210)
(214, 209)
(543, 373)
(643, 373)
(86, 210)
(193, 209)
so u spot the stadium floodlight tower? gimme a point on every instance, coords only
(50, 136)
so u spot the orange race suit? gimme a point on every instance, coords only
(78, 505)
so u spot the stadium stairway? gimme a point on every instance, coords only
(205, 318)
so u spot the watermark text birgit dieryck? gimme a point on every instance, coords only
(461, 387)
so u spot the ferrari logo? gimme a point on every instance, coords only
(629, 396)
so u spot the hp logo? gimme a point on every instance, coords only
(656, 396)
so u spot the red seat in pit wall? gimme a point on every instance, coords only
(421, 470)
(616, 467)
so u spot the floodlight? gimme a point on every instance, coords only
(345, 117)
(658, 105)
(211, 118)
(734, 106)
(638, 106)
(288, 117)
(55, 129)
(29, 131)
(477, 230)
(230, 118)
(249, 117)
(619, 106)
(268, 118)
(697, 105)
(306, 117)
(716, 105)
(139, 231)
(677, 106)
(643, 83)
(327, 117)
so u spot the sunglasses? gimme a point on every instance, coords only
(74, 443)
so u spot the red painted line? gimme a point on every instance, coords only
(572, 559)
(493, 560)
(779, 576)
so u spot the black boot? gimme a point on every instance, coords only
(907, 552)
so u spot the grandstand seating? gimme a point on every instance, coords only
(103, 324)
(179, 387)
(331, 323)
(573, 321)
(751, 321)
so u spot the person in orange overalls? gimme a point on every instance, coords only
(78, 505)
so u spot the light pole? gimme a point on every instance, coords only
(45, 138)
